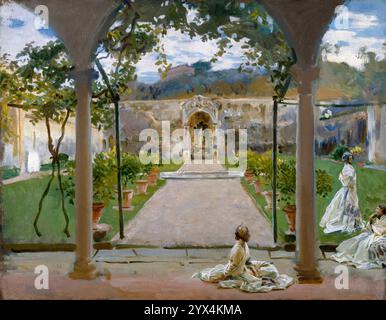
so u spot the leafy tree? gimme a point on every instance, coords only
(201, 67)
(373, 76)
(8, 85)
(46, 92)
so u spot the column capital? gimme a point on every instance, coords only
(82, 74)
(304, 77)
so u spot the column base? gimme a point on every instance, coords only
(312, 276)
(83, 270)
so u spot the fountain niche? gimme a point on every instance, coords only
(376, 136)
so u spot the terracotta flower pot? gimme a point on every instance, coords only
(152, 178)
(248, 174)
(127, 196)
(141, 186)
(361, 164)
(268, 198)
(290, 212)
(97, 210)
(257, 186)
(155, 171)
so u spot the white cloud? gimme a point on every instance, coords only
(349, 53)
(13, 40)
(181, 49)
(361, 20)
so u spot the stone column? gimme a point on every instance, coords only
(83, 267)
(20, 140)
(215, 146)
(187, 145)
(306, 256)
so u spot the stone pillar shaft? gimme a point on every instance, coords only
(83, 268)
(306, 257)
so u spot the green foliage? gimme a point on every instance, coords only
(131, 167)
(286, 181)
(373, 78)
(261, 164)
(8, 86)
(339, 151)
(69, 182)
(104, 178)
(9, 172)
(324, 182)
(201, 66)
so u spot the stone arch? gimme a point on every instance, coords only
(200, 104)
(81, 23)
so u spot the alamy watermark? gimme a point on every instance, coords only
(343, 279)
(185, 145)
(42, 280)
(41, 17)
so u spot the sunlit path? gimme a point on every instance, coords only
(197, 212)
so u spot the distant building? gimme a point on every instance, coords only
(182, 70)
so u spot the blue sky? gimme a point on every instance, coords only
(362, 23)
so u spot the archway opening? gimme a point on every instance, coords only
(200, 125)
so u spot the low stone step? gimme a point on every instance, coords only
(202, 175)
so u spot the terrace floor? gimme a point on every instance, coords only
(166, 274)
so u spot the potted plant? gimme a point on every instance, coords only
(287, 187)
(142, 182)
(263, 171)
(104, 180)
(130, 168)
(152, 171)
(251, 163)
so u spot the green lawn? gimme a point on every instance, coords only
(371, 186)
(21, 202)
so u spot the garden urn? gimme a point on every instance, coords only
(127, 197)
(97, 210)
(268, 198)
(290, 212)
(257, 186)
(152, 178)
(248, 174)
(141, 186)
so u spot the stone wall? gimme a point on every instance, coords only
(28, 138)
(377, 134)
(255, 115)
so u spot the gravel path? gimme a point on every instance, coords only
(202, 212)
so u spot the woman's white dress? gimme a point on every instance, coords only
(343, 213)
(256, 276)
(368, 249)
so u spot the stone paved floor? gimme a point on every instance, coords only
(166, 274)
(197, 213)
(202, 212)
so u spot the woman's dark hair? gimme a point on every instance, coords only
(347, 156)
(241, 232)
(383, 208)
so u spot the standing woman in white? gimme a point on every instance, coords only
(343, 213)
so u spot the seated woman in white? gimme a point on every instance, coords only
(343, 212)
(241, 272)
(368, 249)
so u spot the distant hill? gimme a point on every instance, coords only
(337, 81)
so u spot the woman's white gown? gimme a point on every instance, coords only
(343, 213)
(256, 276)
(367, 250)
